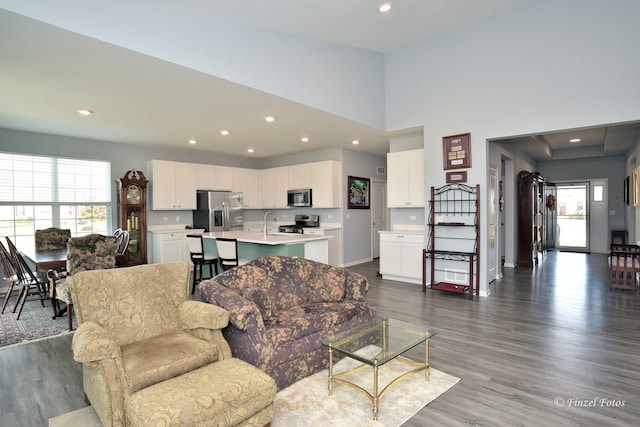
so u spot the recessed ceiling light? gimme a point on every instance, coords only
(270, 119)
(304, 139)
(385, 7)
(84, 112)
(575, 140)
(355, 142)
(224, 132)
(193, 141)
(250, 150)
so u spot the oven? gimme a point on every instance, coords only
(302, 221)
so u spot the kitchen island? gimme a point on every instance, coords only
(252, 244)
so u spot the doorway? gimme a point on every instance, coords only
(573, 216)
(378, 215)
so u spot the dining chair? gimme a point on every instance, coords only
(228, 253)
(33, 284)
(199, 259)
(9, 274)
(122, 244)
(90, 252)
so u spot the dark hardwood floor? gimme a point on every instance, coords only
(550, 347)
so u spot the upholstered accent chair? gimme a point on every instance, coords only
(152, 357)
(52, 238)
(90, 252)
(280, 308)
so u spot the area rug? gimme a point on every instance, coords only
(306, 403)
(35, 322)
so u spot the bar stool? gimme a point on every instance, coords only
(199, 259)
(228, 253)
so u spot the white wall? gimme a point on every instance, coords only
(345, 81)
(548, 66)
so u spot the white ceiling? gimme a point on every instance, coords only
(47, 73)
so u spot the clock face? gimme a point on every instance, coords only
(133, 194)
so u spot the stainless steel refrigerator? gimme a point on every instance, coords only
(219, 211)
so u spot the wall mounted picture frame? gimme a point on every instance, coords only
(457, 151)
(454, 177)
(358, 191)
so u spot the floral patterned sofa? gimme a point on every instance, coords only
(280, 309)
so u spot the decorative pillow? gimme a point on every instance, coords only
(327, 284)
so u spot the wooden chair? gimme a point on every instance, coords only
(33, 284)
(90, 252)
(624, 267)
(228, 253)
(199, 259)
(122, 244)
(9, 273)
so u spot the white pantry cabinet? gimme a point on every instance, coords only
(405, 179)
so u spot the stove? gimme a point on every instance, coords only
(302, 222)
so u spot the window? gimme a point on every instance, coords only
(598, 193)
(38, 192)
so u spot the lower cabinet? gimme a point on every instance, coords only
(168, 246)
(335, 243)
(401, 256)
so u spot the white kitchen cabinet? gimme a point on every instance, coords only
(205, 177)
(224, 178)
(325, 184)
(299, 176)
(274, 186)
(401, 256)
(168, 246)
(173, 185)
(334, 243)
(405, 179)
(246, 181)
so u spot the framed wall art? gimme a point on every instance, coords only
(358, 191)
(457, 151)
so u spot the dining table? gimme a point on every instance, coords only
(48, 259)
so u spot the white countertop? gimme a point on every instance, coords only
(269, 239)
(173, 229)
(420, 232)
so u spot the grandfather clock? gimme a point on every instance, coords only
(132, 215)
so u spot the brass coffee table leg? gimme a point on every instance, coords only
(427, 371)
(376, 397)
(330, 371)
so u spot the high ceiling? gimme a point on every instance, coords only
(48, 72)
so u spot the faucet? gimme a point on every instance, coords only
(264, 229)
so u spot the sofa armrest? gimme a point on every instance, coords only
(92, 343)
(357, 287)
(242, 312)
(195, 314)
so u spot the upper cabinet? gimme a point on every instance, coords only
(173, 185)
(405, 179)
(325, 184)
(299, 176)
(275, 183)
(246, 181)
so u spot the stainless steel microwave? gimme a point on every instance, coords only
(299, 197)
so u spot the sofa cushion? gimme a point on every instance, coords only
(302, 321)
(157, 359)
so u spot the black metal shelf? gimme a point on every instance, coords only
(451, 201)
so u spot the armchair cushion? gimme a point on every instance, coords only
(157, 359)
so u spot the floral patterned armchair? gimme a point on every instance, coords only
(280, 309)
(90, 252)
(137, 329)
(52, 238)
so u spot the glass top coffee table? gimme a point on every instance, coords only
(392, 337)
